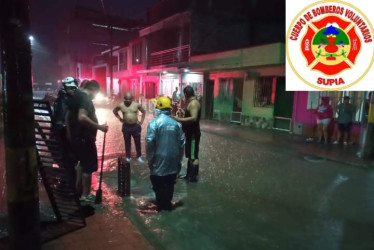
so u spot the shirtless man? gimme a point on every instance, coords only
(189, 117)
(131, 126)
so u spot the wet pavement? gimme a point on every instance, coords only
(257, 190)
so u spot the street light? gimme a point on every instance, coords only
(31, 39)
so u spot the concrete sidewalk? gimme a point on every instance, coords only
(287, 142)
(103, 232)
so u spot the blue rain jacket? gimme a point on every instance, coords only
(164, 144)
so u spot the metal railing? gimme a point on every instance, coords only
(170, 56)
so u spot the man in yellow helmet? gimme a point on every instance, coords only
(164, 146)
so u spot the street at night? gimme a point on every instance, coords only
(251, 194)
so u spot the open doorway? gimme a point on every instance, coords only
(283, 106)
(238, 100)
(209, 99)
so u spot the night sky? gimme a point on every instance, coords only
(44, 19)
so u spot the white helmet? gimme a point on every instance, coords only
(70, 82)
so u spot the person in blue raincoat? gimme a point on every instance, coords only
(164, 147)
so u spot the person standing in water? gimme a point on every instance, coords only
(131, 126)
(189, 117)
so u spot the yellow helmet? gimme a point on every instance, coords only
(163, 102)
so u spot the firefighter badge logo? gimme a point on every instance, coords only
(330, 47)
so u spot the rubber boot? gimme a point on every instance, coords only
(188, 172)
(194, 173)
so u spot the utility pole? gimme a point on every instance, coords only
(19, 136)
(110, 25)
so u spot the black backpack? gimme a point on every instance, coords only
(60, 107)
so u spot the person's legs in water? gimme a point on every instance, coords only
(324, 131)
(170, 182)
(127, 138)
(340, 132)
(136, 135)
(161, 190)
(86, 181)
(346, 134)
(195, 144)
(319, 130)
(89, 165)
(187, 153)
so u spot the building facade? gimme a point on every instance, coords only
(245, 85)
(236, 66)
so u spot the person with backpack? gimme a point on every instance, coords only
(69, 87)
(60, 106)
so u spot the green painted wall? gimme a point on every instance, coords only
(224, 101)
(240, 62)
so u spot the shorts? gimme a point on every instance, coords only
(344, 127)
(192, 145)
(324, 121)
(86, 152)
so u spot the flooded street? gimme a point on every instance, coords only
(250, 196)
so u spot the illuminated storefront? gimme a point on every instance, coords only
(169, 81)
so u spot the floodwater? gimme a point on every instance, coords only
(250, 196)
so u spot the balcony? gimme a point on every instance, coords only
(170, 56)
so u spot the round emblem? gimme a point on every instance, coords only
(329, 45)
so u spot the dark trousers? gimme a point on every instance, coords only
(163, 186)
(133, 130)
(192, 145)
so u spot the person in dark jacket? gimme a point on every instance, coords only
(60, 106)
(345, 117)
(69, 87)
(82, 126)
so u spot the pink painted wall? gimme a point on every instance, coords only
(300, 112)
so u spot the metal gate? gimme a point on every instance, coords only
(58, 183)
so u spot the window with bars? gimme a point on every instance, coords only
(264, 87)
(336, 97)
